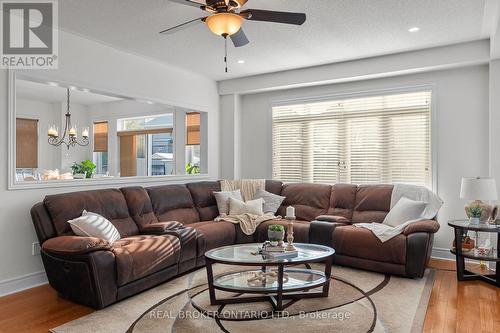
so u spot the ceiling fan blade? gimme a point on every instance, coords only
(239, 39)
(183, 26)
(272, 16)
(190, 3)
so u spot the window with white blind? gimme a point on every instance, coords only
(375, 139)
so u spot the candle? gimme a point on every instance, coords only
(290, 211)
(85, 132)
(52, 131)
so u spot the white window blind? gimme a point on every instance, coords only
(376, 139)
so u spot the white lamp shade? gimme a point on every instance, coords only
(478, 188)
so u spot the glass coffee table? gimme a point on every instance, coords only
(275, 280)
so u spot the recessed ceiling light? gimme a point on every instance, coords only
(72, 87)
(149, 102)
(241, 61)
(414, 29)
(53, 84)
(85, 90)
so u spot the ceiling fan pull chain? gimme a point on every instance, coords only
(225, 51)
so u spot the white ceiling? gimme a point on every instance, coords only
(335, 30)
(43, 92)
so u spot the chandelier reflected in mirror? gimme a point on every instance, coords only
(70, 134)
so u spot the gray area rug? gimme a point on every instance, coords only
(359, 301)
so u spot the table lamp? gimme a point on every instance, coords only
(478, 189)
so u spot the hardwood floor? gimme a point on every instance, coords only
(471, 306)
(453, 307)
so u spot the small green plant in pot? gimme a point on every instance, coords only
(474, 213)
(85, 167)
(276, 232)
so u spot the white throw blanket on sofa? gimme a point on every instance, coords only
(417, 193)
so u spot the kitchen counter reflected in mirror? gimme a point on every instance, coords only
(65, 133)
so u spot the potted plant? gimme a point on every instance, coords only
(474, 213)
(276, 232)
(192, 169)
(85, 167)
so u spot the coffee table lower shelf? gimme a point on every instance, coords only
(277, 291)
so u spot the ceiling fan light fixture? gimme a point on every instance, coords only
(224, 24)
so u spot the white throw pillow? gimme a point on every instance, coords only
(238, 207)
(94, 225)
(272, 202)
(403, 211)
(222, 199)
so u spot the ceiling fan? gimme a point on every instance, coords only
(225, 18)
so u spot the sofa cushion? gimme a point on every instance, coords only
(109, 203)
(139, 205)
(253, 207)
(343, 200)
(139, 256)
(94, 225)
(272, 202)
(215, 234)
(222, 199)
(274, 186)
(204, 199)
(373, 202)
(309, 200)
(173, 203)
(403, 211)
(361, 243)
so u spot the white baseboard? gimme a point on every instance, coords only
(22, 282)
(442, 253)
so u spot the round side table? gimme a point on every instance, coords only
(461, 228)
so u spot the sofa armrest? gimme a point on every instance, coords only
(332, 218)
(160, 227)
(67, 245)
(429, 226)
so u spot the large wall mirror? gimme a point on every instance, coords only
(65, 133)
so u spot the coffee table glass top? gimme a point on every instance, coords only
(243, 254)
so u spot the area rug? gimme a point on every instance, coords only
(359, 301)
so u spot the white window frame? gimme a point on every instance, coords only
(360, 94)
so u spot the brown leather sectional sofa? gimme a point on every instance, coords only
(166, 230)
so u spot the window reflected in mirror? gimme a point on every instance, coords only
(66, 132)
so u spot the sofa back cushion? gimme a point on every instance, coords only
(204, 199)
(342, 200)
(173, 203)
(109, 203)
(309, 200)
(139, 205)
(373, 202)
(274, 186)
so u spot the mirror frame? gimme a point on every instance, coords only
(13, 184)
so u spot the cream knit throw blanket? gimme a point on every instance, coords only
(248, 187)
